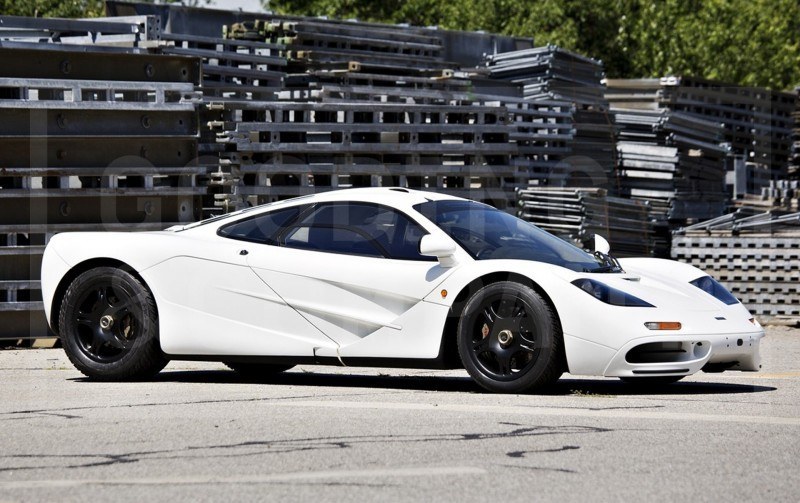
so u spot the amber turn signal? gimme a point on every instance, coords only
(663, 325)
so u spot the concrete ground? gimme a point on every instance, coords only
(199, 433)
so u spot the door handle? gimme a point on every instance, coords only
(243, 252)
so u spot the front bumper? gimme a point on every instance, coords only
(678, 354)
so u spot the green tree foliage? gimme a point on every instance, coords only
(750, 42)
(70, 8)
(52, 8)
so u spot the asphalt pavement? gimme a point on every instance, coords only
(200, 433)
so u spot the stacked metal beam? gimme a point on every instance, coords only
(322, 44)
(757, 122)
(673, 160)
(89, 140)
(551, 73)
(382, 107)
(577, 214)
(755, 254)
(283, 149)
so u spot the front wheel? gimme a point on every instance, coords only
(108, 325)
(509, 339)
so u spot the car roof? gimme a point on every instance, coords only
(391, 196)
(396, 197)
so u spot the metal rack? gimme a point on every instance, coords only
(755, 254)
(757, 122)
(89, 140)
(577, 214)
(551, 73)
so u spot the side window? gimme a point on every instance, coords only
(261, 228)
(358, 229)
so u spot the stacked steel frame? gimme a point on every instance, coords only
(551, 73)
(91, 138)
(755, 254)
(577, 214)
(757, 122)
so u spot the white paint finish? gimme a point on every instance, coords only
(347, 297)
(211, 303)
(210, 307)
(419, 338)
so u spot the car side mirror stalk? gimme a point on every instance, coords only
(439, 247)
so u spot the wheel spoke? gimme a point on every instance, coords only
(504, 362)
(120, 308)
(490, 314)
(481, 346)
(102, 299)
(117, 341)
(527, 337)
(84, 319)
(96, 344)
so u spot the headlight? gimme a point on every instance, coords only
(605, 293)
(715, 289)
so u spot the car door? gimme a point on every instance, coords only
(213, 303)
(354, 271)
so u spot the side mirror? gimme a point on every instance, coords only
(601, 245)
(439, 247)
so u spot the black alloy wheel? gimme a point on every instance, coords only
(509, 340)
(109, 327)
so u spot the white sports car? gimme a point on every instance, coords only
(385, 277)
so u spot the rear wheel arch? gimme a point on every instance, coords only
(77, 270)
(450, 332)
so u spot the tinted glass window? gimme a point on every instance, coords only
(332, 239)
(488, 233)
(358, 229)
(261, 228)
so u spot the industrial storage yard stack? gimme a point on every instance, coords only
(755, 254)
(90, 140)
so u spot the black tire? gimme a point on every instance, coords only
(650, 380)
(257, 371)
(509, 339)
(108, 325)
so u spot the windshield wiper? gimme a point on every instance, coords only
(610, 264)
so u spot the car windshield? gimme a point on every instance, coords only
(487, 233)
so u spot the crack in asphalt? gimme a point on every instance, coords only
(521, 454)
(63, 412)
(268, 447)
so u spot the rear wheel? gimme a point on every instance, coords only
(108, 325)
(509, 339)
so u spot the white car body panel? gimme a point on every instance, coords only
(219, 297)
(323, 288)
